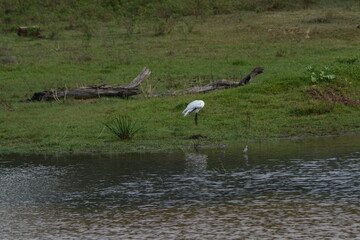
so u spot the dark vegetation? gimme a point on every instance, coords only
(128, 12)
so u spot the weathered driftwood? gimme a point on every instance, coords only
(217, 85)
(94, 91)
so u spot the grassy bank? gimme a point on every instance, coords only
(286, 100)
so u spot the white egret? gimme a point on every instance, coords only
(246, 149)
(194, 107)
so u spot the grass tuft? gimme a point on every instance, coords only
(122, 126)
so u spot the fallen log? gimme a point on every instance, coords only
(217, 85)
(94, 91)
(131, 89)
(29, 31)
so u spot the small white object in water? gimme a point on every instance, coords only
(245, 149)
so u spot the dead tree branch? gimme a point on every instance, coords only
(217, 85)
(94, 91)
(131, 88)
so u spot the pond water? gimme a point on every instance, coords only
(303, 189)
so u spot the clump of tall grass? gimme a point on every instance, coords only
(122, 126)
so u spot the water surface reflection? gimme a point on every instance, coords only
(295, 190)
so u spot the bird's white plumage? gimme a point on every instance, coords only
(194, 107)
(246, 149)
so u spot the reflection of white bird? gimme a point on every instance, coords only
(246, 149)
(194, 107)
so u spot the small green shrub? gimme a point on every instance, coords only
(324, 75)
(122, 126)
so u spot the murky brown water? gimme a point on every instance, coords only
(306, 189)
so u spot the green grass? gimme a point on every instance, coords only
(276, 105)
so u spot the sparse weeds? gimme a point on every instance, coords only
(187, 27)
(261, 5)
(281, 53)
(125, 59)
(306, 3)
(329, 16)
(148, 88)
(164, 26)
(55, 32)
(238, 62)
(84, 58)
(312, 108)
(129, 24)
(247, 123)
(332, 95)
(221, 6)
(6, 104)
(122, 126)
(87, 33)
(350, 60)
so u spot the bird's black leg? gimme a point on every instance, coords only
(196, 118)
